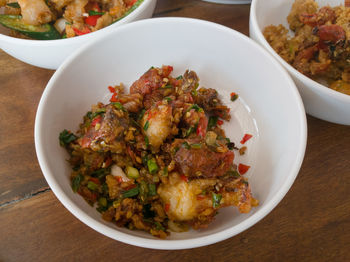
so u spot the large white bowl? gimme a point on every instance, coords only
(51, 53)
(319, 101)
(269, 107)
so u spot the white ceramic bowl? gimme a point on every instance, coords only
(319, 101)
(229, 2)
(51, 53)
(269, 107)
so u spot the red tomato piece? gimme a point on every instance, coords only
(96, 121)
(184, 178)
(242, 169)
(92, 20)
(245, 138)
(85, 30)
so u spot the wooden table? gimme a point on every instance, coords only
(312, 223)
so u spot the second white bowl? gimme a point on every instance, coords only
(319, 101)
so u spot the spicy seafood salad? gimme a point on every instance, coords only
(157, 159)
(55, 19)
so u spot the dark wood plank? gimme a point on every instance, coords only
(21, 88)
(233, 16)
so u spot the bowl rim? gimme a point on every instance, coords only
(72, 40)
(157, 243)
(295, 73)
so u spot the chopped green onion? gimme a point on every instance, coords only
(165, 171)
(141, 114)
(159, 226)
(92, 12)
(132, 172)
(168, 86)
(66, 137)
(146, 141)
(189, 131)
(194, 93)
(179, 77)
(100, 173)
(233, 173)
(195, 107)
(131, 192)
(143, 188)
(145, 127)
(212, 122)
(152, 191)
(168, 99)
(76, 182)
(196, 146)
(119, 106)
(216, 198)
(152, 166)
(92, 186)
(185, 145)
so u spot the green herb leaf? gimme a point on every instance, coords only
(185, 145)
(152, 191)
(119, 106)
(66, 137)
(146, 141)
(216, 198)
(233, 173)
(159, 226)
(165, 171)
(145, 127)
(189, 131)
(152, 166)
(147, 212)
(141, 114)
(131, 192)
(92, 12)
(168, 99)
(168, 86)
(212, 122)
(195, 107)
(92, 186)
(76, 182)
(100, 173)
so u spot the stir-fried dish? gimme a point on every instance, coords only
(156, 159)
(55, 19)
(320, 47)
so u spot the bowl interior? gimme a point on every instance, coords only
(269, 107)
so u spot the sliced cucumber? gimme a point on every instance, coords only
(40, 32)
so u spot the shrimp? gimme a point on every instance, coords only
(35, 12)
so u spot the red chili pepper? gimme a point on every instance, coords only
(200, 197)
(184, 178)
(85, 30)
(92, 20)
(242, 169)
(96, 121)
(111, 89)
(167, 207)
(245, 138)
(114, 98)
(220, 122)
(119, 179)
(131, 3)
(95, 180)
(233, 94)
(108, 162)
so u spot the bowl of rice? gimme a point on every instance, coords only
(310, 39)
(170, 146)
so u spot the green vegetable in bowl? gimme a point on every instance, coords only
(39, 32)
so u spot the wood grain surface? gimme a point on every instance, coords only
(312, 223)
